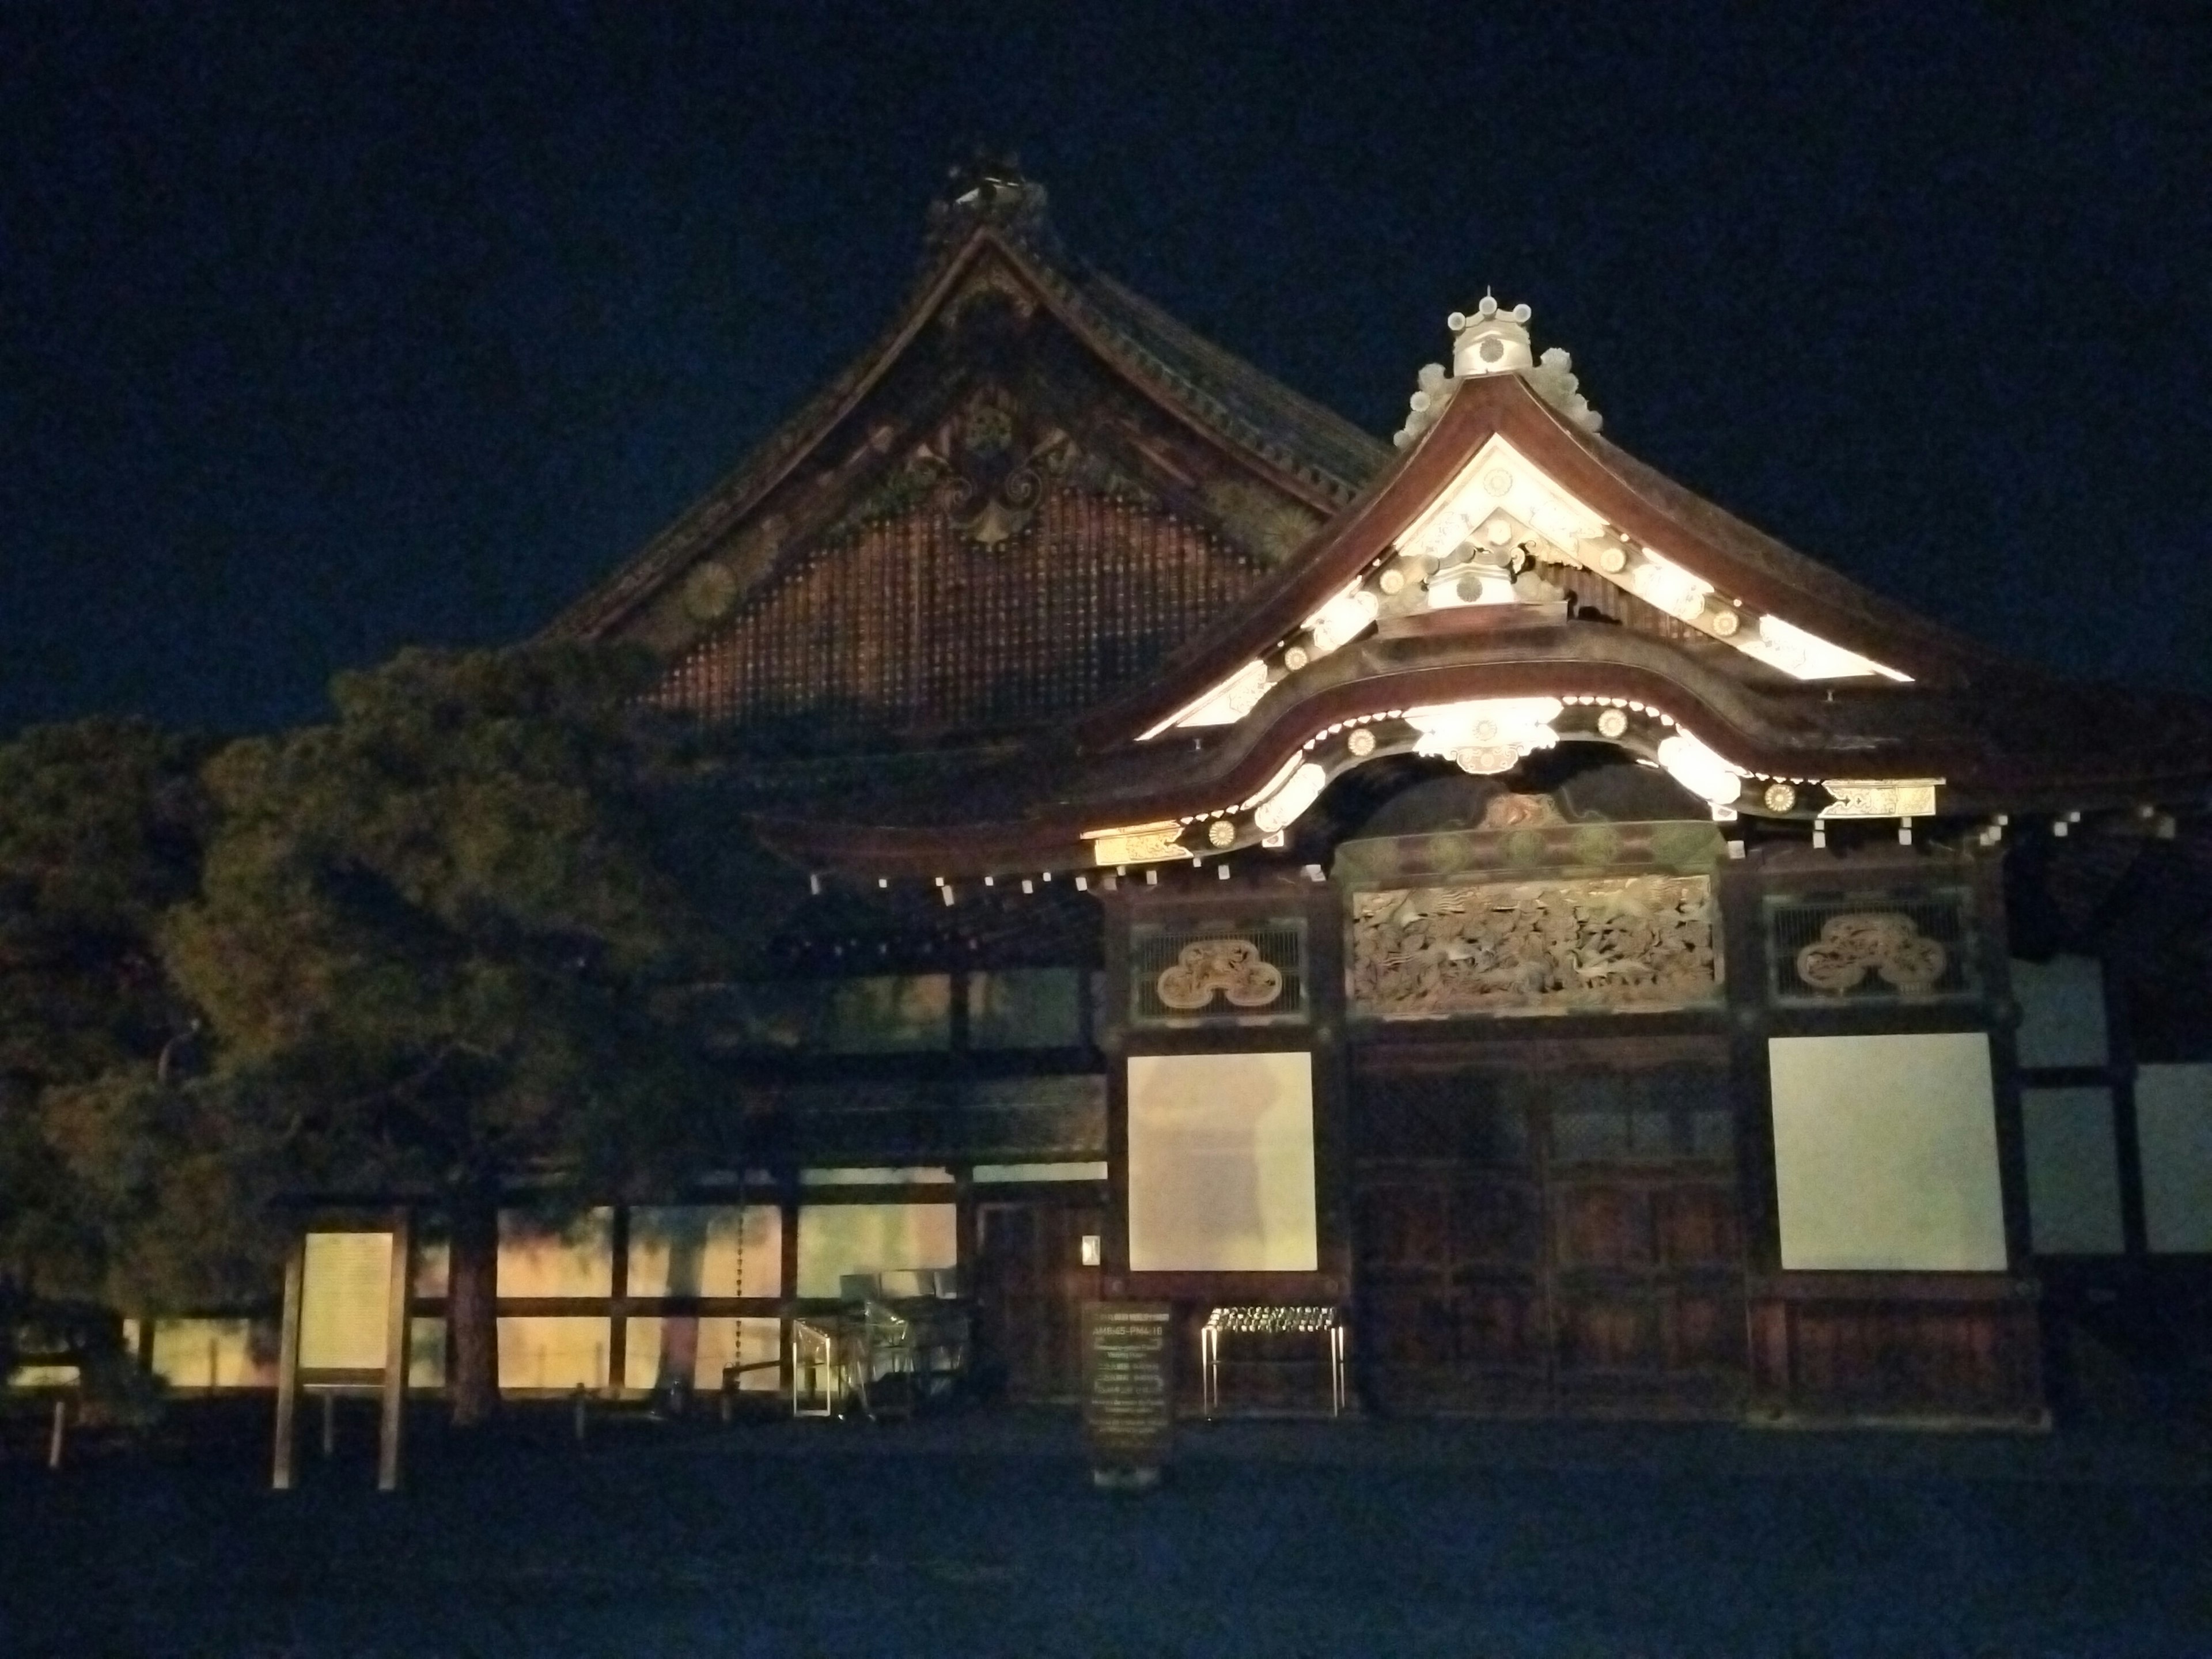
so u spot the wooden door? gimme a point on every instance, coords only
(1452, 1312)
(1030, 1286)
(1645, 1249)
(1549, 1239)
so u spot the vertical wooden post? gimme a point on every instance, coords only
(288, 1362)
(398, 1341)
(1112, 1037)
(787, 1273)
(2127, 1128)
(58, 1440)
(617, 1302)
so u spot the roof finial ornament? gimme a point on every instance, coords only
(990, 188)
(1494, 340)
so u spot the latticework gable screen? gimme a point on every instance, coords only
(908, 625)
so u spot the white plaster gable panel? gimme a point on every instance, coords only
(1223, 705)
(1499, 511)
(1807, 656)
(1501, 485)
(1501, 479)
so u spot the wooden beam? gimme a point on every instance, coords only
(398, 1331)
(287, 1364)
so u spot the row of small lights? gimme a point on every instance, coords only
(1988, 835)
(1362, 745)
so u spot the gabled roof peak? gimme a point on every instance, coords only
(1493, 339)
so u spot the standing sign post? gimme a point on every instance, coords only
(288, 1362)
(1128, 1392)
(398, 1327)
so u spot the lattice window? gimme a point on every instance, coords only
(1217, 972)
(1904, 944)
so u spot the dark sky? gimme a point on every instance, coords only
(325, 330)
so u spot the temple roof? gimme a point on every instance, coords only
(1030, 489)
(1513, 582)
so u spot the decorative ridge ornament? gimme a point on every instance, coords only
(988, 189)
(1494, 340)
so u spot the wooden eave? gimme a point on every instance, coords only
(710, 520)
(1812, 731)
(1744, 563)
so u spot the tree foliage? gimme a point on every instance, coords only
(434, 940)
(117, 1183)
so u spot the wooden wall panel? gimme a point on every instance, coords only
(1959, 1352)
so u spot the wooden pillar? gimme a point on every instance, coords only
(964, 1226)
(2127, 1129)
(287, 1364)
(787, 1272)
(399, 1334)
(618, 1301)
(2002, 1012)
(1112, 1037)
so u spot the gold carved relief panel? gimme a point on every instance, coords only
(1606, 943)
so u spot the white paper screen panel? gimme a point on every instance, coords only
(558, 1352)
(836, 1239)
(1221, 1164)
(345, 1302)
(657, 1350)
(215, 1353)
(2073, 1171)
(2174, 1127)
(1886, 1153)
(697, 1250)
(2061, 1012)
(537, 1257)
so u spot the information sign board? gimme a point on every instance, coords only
(1128, 1390)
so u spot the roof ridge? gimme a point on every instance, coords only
(1366, 451)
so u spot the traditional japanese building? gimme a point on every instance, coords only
(1473, 884)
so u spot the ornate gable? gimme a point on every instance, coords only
(1014, 510)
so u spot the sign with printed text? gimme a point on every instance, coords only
(1129, 1383)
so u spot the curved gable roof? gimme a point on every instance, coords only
(1291, 447)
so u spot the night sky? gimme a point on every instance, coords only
(327, 330)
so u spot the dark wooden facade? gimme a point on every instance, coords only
(1050, 636)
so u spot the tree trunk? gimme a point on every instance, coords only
(471, 1312)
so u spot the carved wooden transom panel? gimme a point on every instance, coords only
(1614, 944)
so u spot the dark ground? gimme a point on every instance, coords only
(978, 1535)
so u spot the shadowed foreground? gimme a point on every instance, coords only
(979, 1535)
